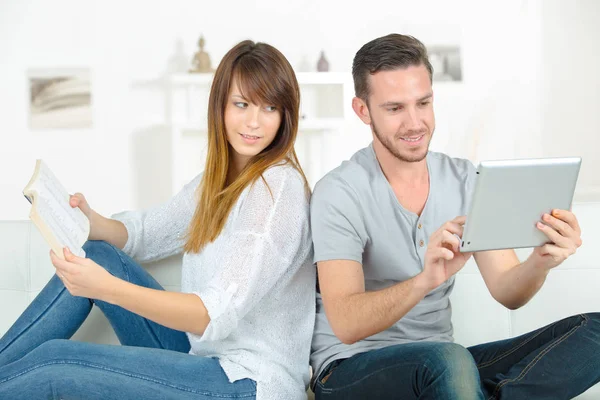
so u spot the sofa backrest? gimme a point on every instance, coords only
(477, 317)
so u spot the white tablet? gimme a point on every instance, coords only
(510, 197)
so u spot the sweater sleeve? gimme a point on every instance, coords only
(269, 232)
(160, 232)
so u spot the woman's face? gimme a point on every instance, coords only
(250, 127)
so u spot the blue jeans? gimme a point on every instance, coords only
(36, 362)
(559, 361)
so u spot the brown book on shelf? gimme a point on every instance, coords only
(60, 224)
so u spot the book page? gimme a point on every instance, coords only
(70, 226)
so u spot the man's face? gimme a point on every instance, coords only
(400, 111)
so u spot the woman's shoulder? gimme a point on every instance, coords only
(284, 174)
(282, 183)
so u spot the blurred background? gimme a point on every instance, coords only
(101, 91)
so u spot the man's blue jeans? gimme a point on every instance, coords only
(559, 361)
(36, 362)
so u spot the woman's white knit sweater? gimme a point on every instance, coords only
(257, 279)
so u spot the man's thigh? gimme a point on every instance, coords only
(404, 371)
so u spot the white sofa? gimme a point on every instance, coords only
(477, 318)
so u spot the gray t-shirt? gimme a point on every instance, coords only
(355, 215)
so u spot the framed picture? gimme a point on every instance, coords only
(446, 63)
(60, 98)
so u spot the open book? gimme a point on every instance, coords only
(59, 223)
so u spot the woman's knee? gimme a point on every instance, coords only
(107, 256)
(47, 362)
(53, 350)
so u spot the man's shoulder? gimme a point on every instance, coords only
(442, 161)
(353, 175)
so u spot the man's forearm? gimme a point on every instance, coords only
(519, 284)
(364, 314)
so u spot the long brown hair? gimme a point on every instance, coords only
(264, 76)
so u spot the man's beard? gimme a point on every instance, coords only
(412, 156)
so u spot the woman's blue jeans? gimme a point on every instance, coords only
(37, 362)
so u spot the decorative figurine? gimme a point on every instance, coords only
(322, 64)
(201, 60)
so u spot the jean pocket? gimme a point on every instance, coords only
(326, 374)
(323, 380)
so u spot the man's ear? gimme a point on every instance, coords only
(361, 109)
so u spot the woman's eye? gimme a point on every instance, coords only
(270, 108)
(240, 104)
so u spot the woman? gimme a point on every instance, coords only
(242, 325)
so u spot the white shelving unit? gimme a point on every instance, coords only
(325, 105)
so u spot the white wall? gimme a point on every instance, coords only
(504, 108)
(571, 94)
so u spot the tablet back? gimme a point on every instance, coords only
(510, 197)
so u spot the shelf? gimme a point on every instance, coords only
(190, 130)
(324, 78)
(304, 78)
(325, 99)
(191, 79)
(320, 124)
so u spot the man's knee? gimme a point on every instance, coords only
(594, 316)
(107, 256)
(452, 354)
(592, 320)
(454, 365)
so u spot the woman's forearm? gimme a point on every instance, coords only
(180, 311)
(108, 230)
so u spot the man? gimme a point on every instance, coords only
(386, 227)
